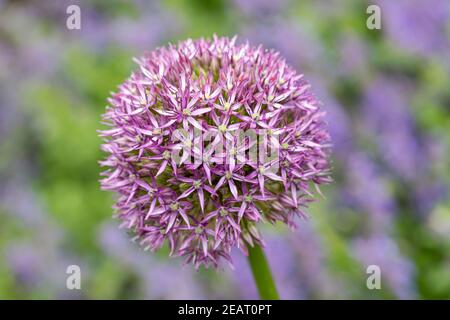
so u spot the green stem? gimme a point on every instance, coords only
(261, 273)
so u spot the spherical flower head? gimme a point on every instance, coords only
(208, 138)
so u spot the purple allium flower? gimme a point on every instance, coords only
(223, 105)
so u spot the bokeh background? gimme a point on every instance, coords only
(387, 95)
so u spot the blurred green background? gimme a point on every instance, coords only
(387, 95)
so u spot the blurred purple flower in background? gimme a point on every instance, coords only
(260, 9)
(303, 52)
(367, 190)
(310, 264)
(387, 118)
(298, 263)
(39, 260)
(282, 263)
(161, 279)
(419, 26)
(353, 55)
(396, 271)
(137, 33)
(26, 264)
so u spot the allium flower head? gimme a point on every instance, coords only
(188, 144)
